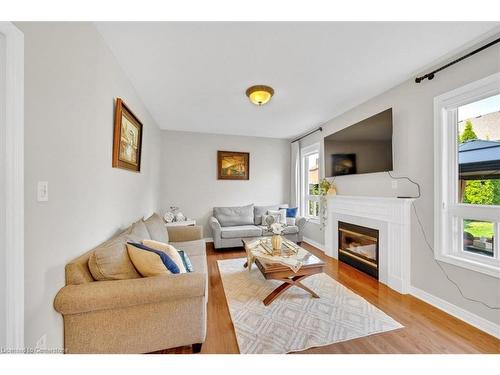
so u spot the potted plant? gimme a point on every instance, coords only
(325, 188)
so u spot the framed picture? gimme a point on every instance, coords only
(233, 165)
(127, 139)
(343, 164)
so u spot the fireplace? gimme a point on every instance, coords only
(358, 247)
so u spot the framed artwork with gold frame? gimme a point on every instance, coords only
(127, 138)
(232, 165)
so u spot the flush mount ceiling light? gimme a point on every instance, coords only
(260, 94)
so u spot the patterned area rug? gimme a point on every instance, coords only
(295, 321)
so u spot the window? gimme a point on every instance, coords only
(310, 175)
(467, 176)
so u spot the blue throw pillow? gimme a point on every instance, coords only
(167, 261)
(185, 260)
(291, 212)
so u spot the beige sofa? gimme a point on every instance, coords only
(135, 315)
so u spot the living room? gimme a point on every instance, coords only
(250, 187)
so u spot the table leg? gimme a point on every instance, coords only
(276, 292)
(287, 283)
(249, 262)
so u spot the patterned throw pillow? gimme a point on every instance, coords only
(169, 250)
(290, 221)
(279, 214)
(166, 260)
(264, 219)
(186, 261)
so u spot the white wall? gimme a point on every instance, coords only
(412, 106)
(189, 173)
(72, 80)
(3, 242)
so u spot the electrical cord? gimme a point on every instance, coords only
(426, 240)
(409, 179)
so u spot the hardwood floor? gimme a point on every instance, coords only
(427, 329)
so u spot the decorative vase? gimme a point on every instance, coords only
(276, 241)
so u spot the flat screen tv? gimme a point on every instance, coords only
(365, 147)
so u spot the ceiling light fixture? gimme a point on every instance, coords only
(260, 94)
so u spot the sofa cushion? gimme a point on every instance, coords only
(258, 211)
(241, 231)
(146, 262)
(291, 229)
(156, 228)
(192, 248)
(199, 264)
(110, 260)
(231, 216)
(167, 249)
(77, 271)
(138, 232)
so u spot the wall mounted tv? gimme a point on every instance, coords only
(365, 147)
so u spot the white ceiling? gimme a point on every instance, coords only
(192, 76)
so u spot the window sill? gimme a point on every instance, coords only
(313, 220)
(470, 264)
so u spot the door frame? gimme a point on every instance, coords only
(12, 176)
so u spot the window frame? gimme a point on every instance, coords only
(448, 212)
(306, 197)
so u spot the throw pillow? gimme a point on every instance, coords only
(169, 250)
(156, 228)
(277, 219)
(110, 260)
(137, 232)
(167, 261)
(147, 263)
(290, 221)
(291, 212)
(280, 214)
(186, 261)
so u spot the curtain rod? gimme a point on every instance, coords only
(319, 129)
(430, 75)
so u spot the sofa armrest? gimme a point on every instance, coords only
(216, 231)
(215, 225)
(183, 234)
(300, 222)
(105, 295)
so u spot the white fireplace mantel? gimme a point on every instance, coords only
(391, 217)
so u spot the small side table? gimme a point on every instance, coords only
(184, 223)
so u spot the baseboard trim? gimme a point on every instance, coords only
(208, 239)
(458, 312)
(315, 244)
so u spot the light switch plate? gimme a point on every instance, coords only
(43, 191)
(394, 184)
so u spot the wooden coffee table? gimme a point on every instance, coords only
(276, 271)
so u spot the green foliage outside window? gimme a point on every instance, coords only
(484, 192)
(468, 134)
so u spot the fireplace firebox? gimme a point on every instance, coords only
(358, 247)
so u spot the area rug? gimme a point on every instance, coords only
(295, 321)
